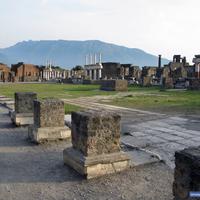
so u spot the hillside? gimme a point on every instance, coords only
(70, 53)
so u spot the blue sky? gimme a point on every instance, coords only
(157, 26)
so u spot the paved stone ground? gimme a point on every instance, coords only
(30, 172)
(159, 133)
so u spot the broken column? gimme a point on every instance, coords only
(48, 121)
(95, 147)
(187, 173)
(23, 114)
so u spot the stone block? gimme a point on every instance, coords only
(24, 102)
(49, 113)
(48, 121)
(23, 114)
(187, 173)
(95, 147)
(147, 81)
(44, 134)
(20, 119)
(114, 85)
(194, 84)
(95, 133)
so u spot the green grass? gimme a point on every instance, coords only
(146, 98)
(53, 90)
(69, 108)
(156, 100)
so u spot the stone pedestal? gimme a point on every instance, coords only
(23, 114)
(96, 144)
(187, 173)
(114, 85)
(48, 121)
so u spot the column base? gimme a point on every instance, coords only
(95, 166)
(20, 119)
(41, 135)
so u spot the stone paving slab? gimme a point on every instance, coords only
(163, 134)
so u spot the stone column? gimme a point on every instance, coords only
(90, 74)
(48, 121)
(96, 144)
(23, 114)
(100, 74)
(187, 173)
(95, 74)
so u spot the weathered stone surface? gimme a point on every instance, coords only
(96, 148)
(49, 113)
(95, 166)
(167, 82)
(94, 133)
(114, 85)
(41, 135)
(24, 102)
(194, 84)
(48, 121)
(187, 173)
(20, 119)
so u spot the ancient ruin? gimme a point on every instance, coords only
(114, 85)
(23, 113)
(96, 144)
(48, 121)
(186, 176)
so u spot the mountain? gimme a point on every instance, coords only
(70, 53)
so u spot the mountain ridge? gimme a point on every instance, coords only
(68, 53)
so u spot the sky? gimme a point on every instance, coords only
(164, 27)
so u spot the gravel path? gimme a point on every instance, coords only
(30, 172)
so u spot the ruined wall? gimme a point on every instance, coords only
(5, 73)
(110, 70)
(26, 72)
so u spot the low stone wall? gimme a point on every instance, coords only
(92, 82)
(96, 144)
(194, 84)
(187, 173)
(114, 85)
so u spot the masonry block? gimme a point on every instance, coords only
(114, 85)
(23, 113)
(48, 121)
(96, 144)
(187, 173)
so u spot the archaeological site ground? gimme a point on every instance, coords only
(40, 161)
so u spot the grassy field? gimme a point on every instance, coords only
(138, 97)
(54, 91)
(177, 101)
